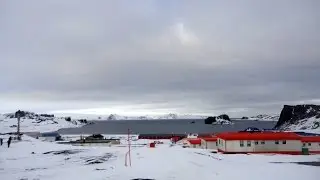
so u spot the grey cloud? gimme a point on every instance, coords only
(225, 57)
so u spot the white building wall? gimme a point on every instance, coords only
(287, 145)
(268, 146)
(211, 144)
(313, 146)
(221, 144)
(234, 146)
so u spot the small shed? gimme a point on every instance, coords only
(50, 136)
(175, 139)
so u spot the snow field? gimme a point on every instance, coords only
(160, 163)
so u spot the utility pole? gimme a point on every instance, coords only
(18, 114)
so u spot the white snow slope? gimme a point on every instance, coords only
(311, 125)
(160, 163)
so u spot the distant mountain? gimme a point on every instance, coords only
(264, 117)
(304, 117)
(152, 117)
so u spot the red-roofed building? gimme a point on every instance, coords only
(203, 143)
(259, 142)
(192, 142)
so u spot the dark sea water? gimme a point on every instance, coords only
(163, 127)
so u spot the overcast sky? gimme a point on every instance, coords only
(143, 57)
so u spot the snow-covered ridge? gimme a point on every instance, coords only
(151, 117)
(31, 122)
(265, 117)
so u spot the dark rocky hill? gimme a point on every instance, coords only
(304, 116)
(222, 119)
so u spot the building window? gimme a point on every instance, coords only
(216, 143)
(262, 142)
(241, 143)
(256, 142)
(277, 142)
(309, 144)
(304, 144)
(284, 142)
(248, 143)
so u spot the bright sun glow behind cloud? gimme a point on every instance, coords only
(185, 36)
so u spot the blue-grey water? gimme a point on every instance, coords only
(163, 127)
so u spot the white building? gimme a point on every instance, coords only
(210, 142)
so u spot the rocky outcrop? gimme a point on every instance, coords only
(298, 115)
(210, 120)
(222, 119)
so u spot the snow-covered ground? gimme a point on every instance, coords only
(36, 160)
